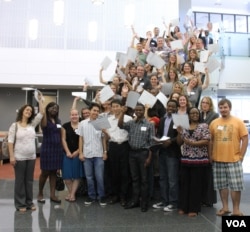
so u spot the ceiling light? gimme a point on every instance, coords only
(98, 2)
(27, 88)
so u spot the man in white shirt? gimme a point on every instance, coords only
(93, 151)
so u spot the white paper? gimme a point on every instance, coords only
(132, 99)
(106, 93)
(132, 54)
(117, 55)
(204, 56)
(82, 95)
(162, 98)
(163, 138)
(147, 98)
(121, 74)
(106, 62)
(88, 81)
(200, 67)
(174, 22)
(36, 95)
(176, 44)
(213, 48)
(101, 123)
(123, 60)
(155, 60)
(212, 64)
(181, 120)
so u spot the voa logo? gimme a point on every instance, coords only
(236, 223)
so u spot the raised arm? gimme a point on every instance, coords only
(207, 80)
(101, 77)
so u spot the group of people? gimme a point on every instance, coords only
(191, 162)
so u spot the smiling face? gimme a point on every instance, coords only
(194, 115)
(139, 111)
(172, 75)
(182, 101)
(116, 109)
(193, 82)
(224, 110)
(27, 112)
(177, 88)
(94, 112)
(187, 68)
(74, 116)
(171, 107)
(154, 81)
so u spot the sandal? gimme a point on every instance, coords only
(32, 207)
(237, 214)
(41, 201)
(192, 214)
(72, 200)
(181, 212)
(223, 212)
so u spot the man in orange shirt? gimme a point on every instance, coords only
(228, 145)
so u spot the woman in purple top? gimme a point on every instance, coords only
(51, 152)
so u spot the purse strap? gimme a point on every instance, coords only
(15, 134)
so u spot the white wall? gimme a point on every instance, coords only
(52, 67)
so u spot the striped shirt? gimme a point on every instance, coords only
(92, 139)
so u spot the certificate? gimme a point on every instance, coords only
(101, 123)
(181, 120)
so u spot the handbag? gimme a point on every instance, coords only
(59, 182)
(5, 147)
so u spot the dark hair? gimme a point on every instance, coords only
(225, 101)
(51, 104)
(116, 101)
(20, 113)
(94, 104)
(139, 104)
(189, 109)
(174, 101)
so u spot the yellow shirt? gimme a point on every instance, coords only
(226, 137)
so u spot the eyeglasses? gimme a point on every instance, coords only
(194, 113)
(205, 103)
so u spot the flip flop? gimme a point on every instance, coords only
(237, 215)
(72, 200)
(223, 212)
(42, 201)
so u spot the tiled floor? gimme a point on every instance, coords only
(77, 217)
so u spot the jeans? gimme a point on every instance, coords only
(94, 170)
(169, 178)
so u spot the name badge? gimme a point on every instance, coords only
(143, 128)
(58, 126)
(174, 127)
(220, 127)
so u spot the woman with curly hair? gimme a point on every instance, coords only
(22, 151)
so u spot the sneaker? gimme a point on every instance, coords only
(89, 201)
(158, 205)
(169, 208)
(102, 202)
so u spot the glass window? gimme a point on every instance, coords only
(241, 23)
(228, 23)
(201, 20)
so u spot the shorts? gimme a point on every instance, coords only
(228, 176)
